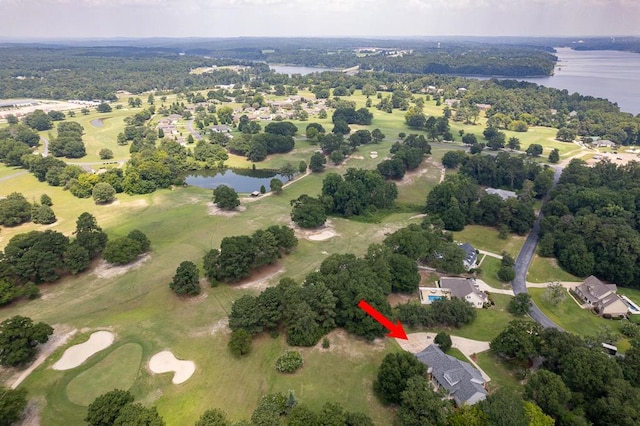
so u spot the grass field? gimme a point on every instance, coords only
(501, 375)
(486, 238)
(544, 269)
(490, 266)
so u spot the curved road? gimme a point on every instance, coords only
(524, 259)
(197, 136)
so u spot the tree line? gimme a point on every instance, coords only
(591, 222)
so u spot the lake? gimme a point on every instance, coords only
(294, 69)
(605, 74)
(242, 180)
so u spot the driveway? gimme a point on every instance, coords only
(483, 286)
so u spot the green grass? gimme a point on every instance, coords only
(454, 352)
(486, 238)
(489, 322)
(499, 372)
(118, 370)
(490, 266)
(8, 171)
(544, 269)
(570, 316)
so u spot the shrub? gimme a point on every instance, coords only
(443, 340)
(289, 362)
(240, 343)
(325, 343)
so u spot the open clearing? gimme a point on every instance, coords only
(166, 362)
(77, 354)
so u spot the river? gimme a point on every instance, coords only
(605, 74)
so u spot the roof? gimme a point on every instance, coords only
(460, 287)
(470, 253)
(594, 289)
(504, 194)
(460, 378)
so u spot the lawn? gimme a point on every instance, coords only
(454, 352)
(486, 238)
(489, 322)
(570, 316)
(8, 171)
(546, 269)
(498, 371)
(490, 266)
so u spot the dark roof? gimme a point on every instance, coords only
(470, 253)
(460, 378)
(460, 287)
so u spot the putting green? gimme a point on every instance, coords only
(118, 370)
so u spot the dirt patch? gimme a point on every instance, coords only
(260, 279)
(396, 299)
(213, 210)
(342, 343)
(31, 416)
(221, 326)
(321, 233)
(428, 278)
(107, 270)
(411, 176)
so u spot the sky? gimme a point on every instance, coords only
(53, 19)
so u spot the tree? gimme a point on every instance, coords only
(589, 371)
(19, 338)
(504, 407)
(394, 372)
(45, 200)
(240, 342)
(443, 340)
(14, 210)
(534, 150)
(517, 341)
(121, 251)
(548, 391)
(139, 415)
(308, 212)
(275, 185)
(317, 162)
(225, 197)
(12, 405)
(105, 409)
(520, 304)
(554, 293)
(103, 193)
(76, 258)
(186, 280)
(43, 215)
(554, 155)
(106, 154)
(566, 135)
(420, 405)
(213, 417)
(506, 274)
(453, 159)
(302, 167)
(103, 107)
(38, 120)
(513, 143)
(89, 235)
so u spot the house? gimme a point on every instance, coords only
(465, 289)
(463, 382)
(504, 194)
(470, 257)
(606, 143)
(221, 128)
(602, 297)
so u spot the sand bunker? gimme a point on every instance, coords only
(321, 236)
(373, 154)
(166, 362)
(77, 354)
(107, 270)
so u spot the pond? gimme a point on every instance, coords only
(242, 180)
(97, 122)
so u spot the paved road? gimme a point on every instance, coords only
(23, 172)
(197, 136)
(45, 151)
(522, 265)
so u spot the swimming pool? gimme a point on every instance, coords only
(432, 298)
(633, 308)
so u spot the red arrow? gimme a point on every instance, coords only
(396, 330)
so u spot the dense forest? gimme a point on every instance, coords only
(591, 223)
